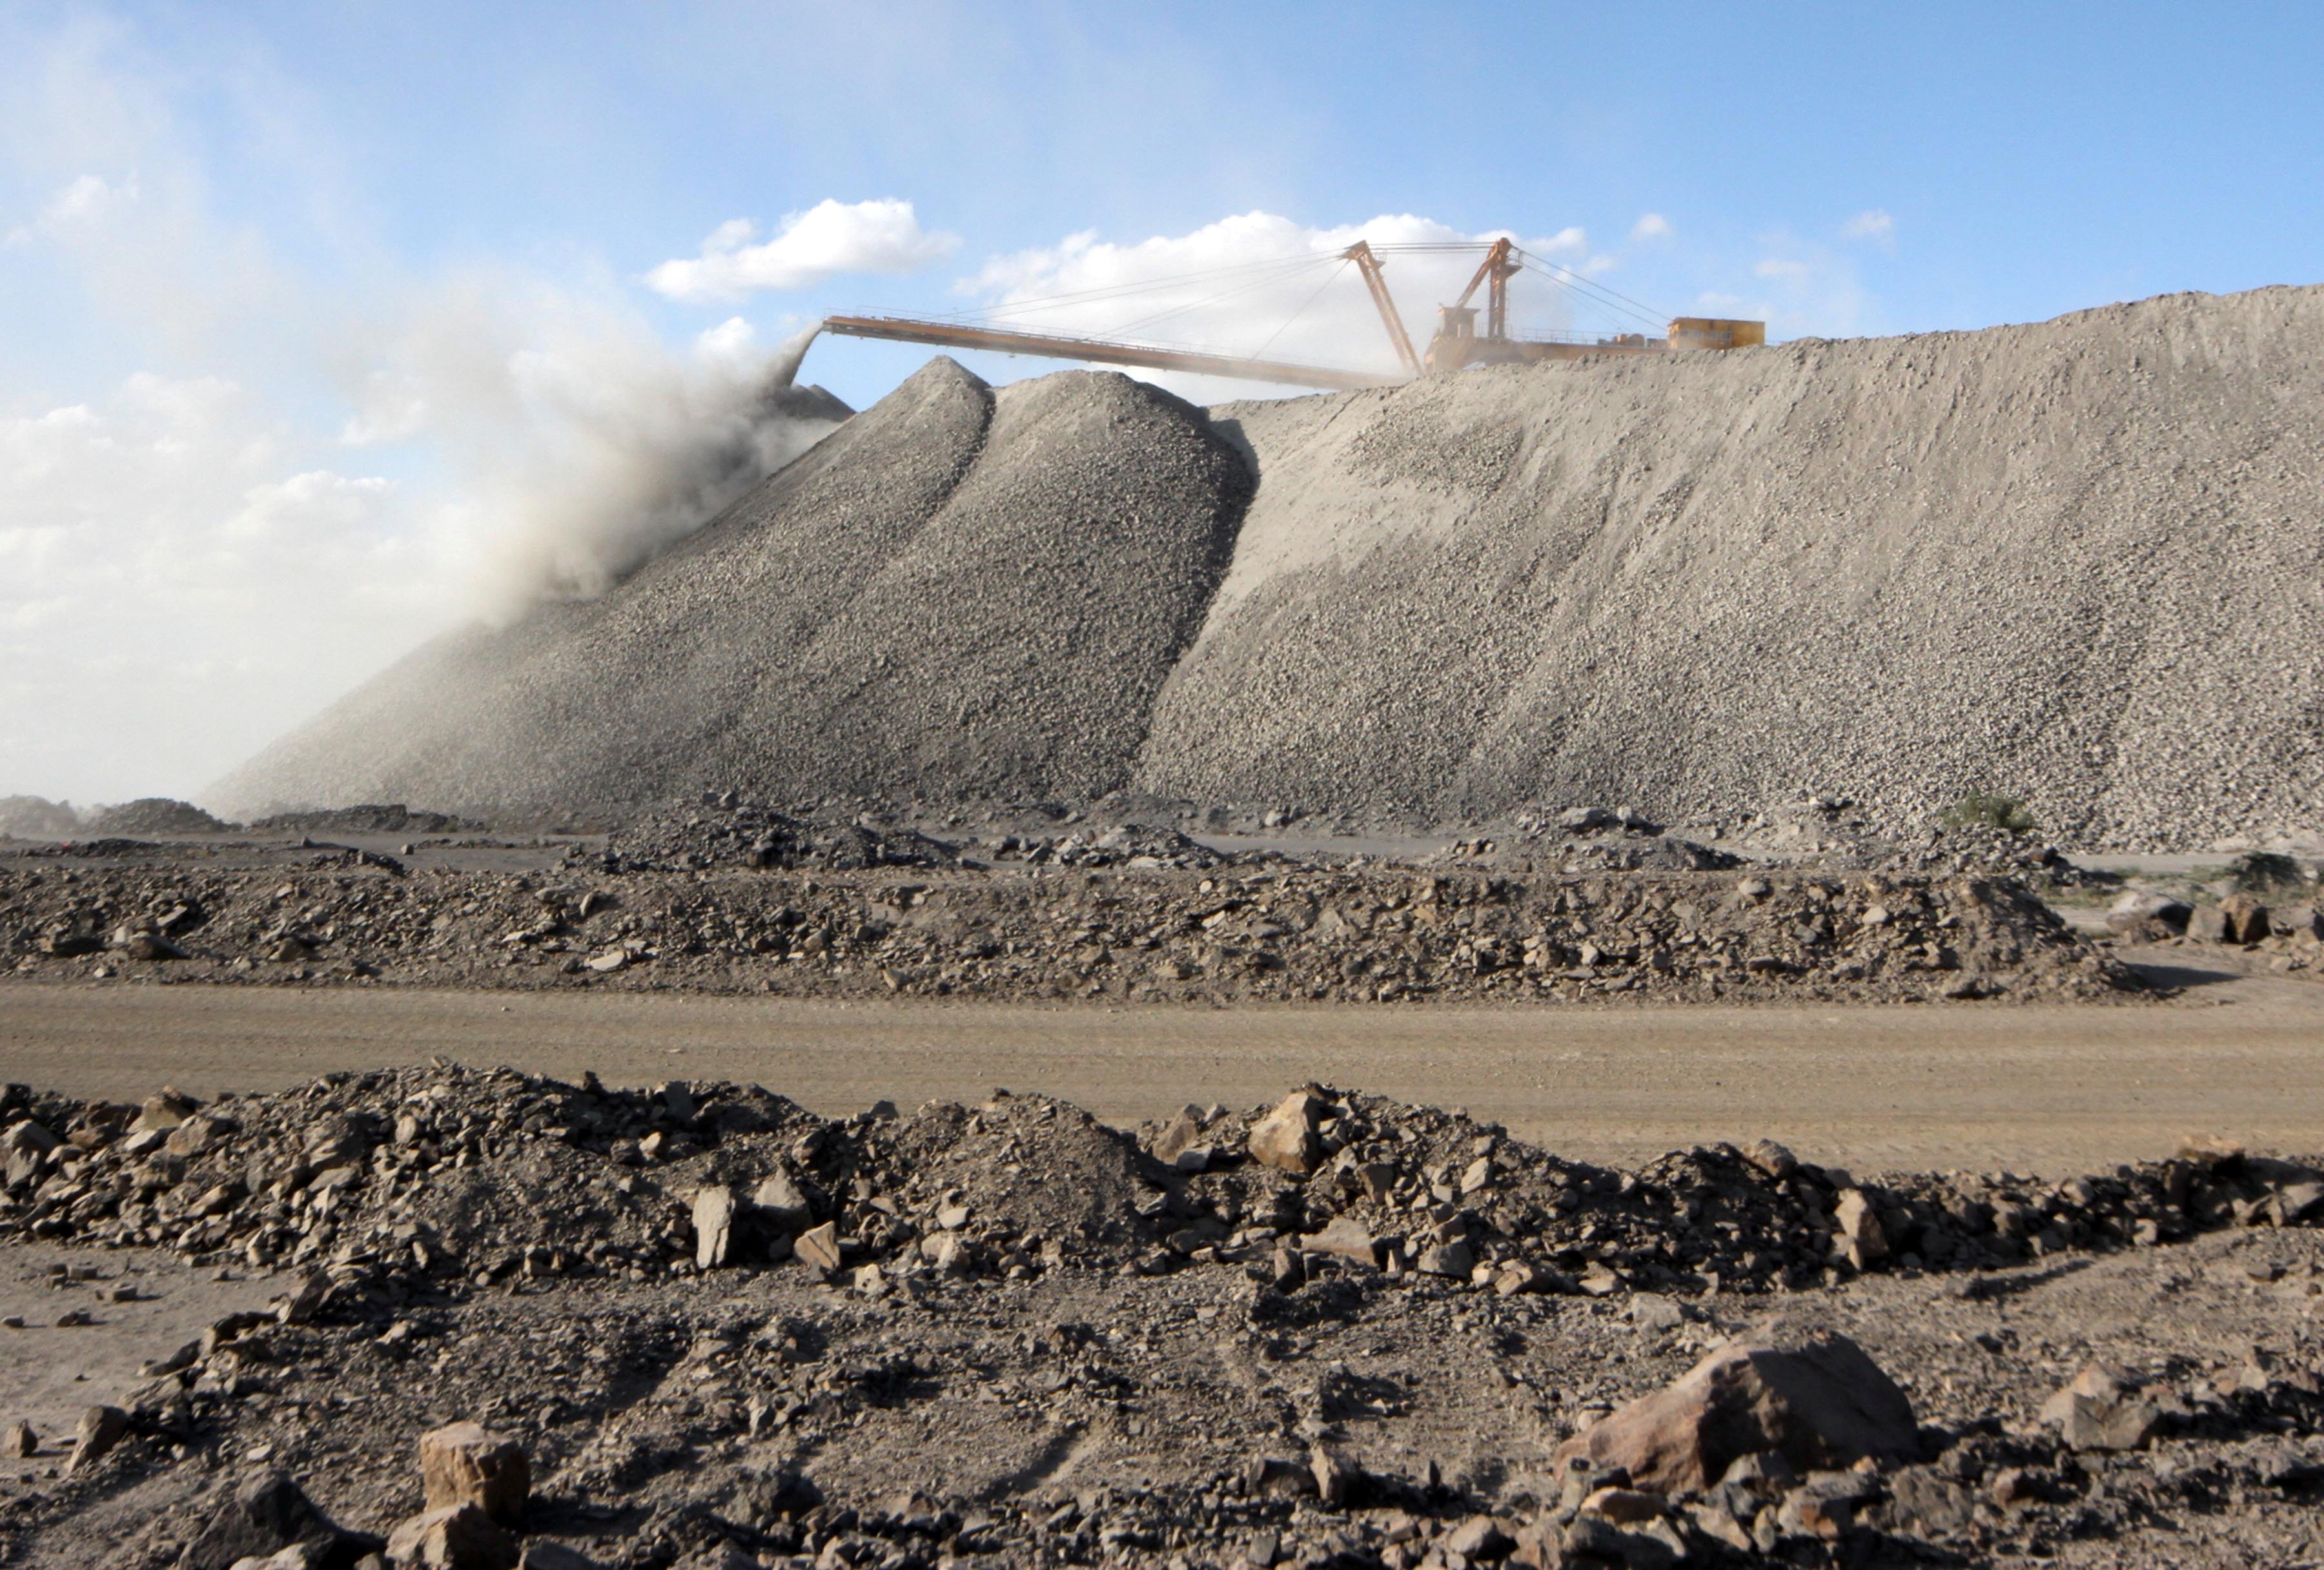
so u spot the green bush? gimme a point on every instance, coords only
(2267, 873)
(1984, 810)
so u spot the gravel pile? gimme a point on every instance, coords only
(1125, 932)
(37, 817)
(388, 1179)
(724, 831)
(973, 592)
(708, 1330)
(1899, 570)
(391, 818)
(152, 815)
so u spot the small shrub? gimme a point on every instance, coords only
(1984, 810)
(2266, 873)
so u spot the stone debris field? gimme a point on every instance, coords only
(499, 1319)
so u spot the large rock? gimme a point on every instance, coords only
(458, 1537)
(267, 1515)
(1857, 1223)
(1821, 1403)
(1285, 1139)
(714, 1226)
(101, 1428)
(468, 1463)
(779, 1204)
(2100, 1408)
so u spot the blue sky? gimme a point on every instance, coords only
(281, 286)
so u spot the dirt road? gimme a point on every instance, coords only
(2033, 1089)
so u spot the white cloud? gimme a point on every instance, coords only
(827, 240)
(1650, 227)
(176, 588)
(84, 202)
(1261, 285)
(1814, 290)
(1873, 224)
(191, 564)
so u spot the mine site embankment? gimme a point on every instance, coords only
(2072, 562)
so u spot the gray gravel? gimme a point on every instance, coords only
(973, 592)
(2077, 562)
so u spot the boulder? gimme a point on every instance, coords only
(818, 1246)
(547, 1555)
(1455, 1257)
(468, 1463)
(164, 1110)
(1286, 1138)
(24, 1145)
(1336, 1477)
(1856, 1222)
(458, 1537)
(267, 1516)
(1821, 1403)
(101, 1428)
(1180, 1133)
(2244, 918)
(1345, 1237)
(714, 1226)
(2100, 1408)
(780, 1202)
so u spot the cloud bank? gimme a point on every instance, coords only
(1261, 285)
(809, 248)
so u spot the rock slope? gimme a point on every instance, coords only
(2077, 562)
(971, 592)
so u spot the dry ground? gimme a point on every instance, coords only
(2037, 1089)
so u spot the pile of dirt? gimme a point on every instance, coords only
(1288, 932)
(153, 815)
(396, 1178)
(37, 817)
(1140, 847)
(369, 818)
(1899, 570)
(724, 831)
(1337, 1331)
(1587, 840)
(1697, 583)
(981, 591)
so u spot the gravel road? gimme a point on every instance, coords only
(2032, 1088)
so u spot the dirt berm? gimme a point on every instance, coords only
(2075, 561)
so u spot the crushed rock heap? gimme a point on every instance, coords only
(697, 1325)
(739, 898)
(1899, 571)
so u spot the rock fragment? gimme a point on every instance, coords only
(1821, 1403)
(267, 1515)
(467, 1463)
(454, 1537)
(2101, 1409)
(100, 1430)
(819, 1247)
(714, 1226)
(1287, 1138)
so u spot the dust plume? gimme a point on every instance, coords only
(580, 446)
(632, 453)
